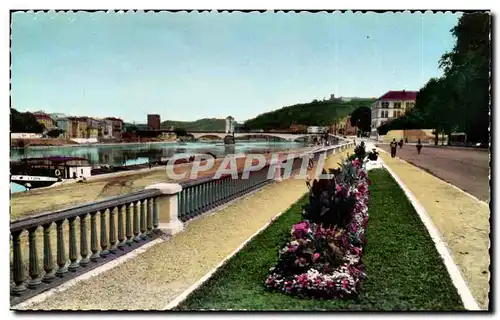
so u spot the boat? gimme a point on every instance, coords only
(44, 172)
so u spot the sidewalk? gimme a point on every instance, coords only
(462, 221)
(155, 277)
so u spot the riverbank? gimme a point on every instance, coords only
(95, 188)
(64, 143)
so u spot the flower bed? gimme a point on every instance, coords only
(324, 257)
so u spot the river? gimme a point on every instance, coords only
(128, 154)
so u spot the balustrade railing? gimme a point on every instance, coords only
(107, 226)
(94, 233)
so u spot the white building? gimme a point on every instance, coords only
(391, 105)
(230, 125)
(316, 129)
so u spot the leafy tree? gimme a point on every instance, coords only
(362, 118)
(24, 122)
(131, 128)
(55, 133)
(180, 132)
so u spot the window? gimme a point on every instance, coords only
(410, 104)
(385, 104)
(384, 113)
(397, 105)
(81, 171)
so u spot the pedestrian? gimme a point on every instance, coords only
(419, 146)
(401, 144)
(394, 145)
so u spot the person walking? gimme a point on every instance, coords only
(419, 146)
(394, 145)
(401, 144)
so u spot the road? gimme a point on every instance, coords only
(466, 169)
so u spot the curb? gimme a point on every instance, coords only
(451, 185)
(458, 281)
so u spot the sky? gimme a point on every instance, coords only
(187, 66)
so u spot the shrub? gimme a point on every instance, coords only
(323, 258)
(360, 151)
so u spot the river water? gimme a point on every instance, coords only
(128, 154)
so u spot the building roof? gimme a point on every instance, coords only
(402, 95)
(113, 119)
(42, 116)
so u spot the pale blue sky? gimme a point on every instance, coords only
(187, 66)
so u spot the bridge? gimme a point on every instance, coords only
(284, 135)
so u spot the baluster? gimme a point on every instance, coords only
(149, 216)
(34, 268)
(137, 238)
(143, 204)
(73, 254)
(61, 253)
(155, 213)
(18, 265)
(121, 229)
(211, 193)
(128, 223)
(189, 196)
(104, 235)
(180, 205)
(93, 237)
(84, 247)
(112, 230)
(48, 260)
(196, 200)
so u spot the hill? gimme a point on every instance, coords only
(316, 113)
(206, 124)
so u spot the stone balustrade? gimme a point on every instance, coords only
(98, 232)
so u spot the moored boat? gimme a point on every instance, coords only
(44, 172)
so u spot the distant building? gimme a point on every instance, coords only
(65, 125)
(154, 122)
(317, 129)
(78, 127)
(117, 127)
(45, 120)
(391, 105)
(92, 128)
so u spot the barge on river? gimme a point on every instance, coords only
(44, 172)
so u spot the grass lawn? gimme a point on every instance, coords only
(404, 270)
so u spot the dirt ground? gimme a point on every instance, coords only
(465, 169)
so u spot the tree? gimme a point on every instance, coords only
(180, 132)
(362, 118)
(54, 133)
(24, 122)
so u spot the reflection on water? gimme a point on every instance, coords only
(128, 154)
(118, 155)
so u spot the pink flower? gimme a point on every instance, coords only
(356, 163)
(292, 248)
(300, 229)
(345, 283)
(316, 256)
(338, 188)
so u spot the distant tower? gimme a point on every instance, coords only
(230, 125)
(154, 122)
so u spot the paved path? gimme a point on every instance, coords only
(154, 278)
(462, 220)
(466, 169)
